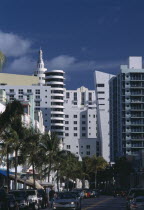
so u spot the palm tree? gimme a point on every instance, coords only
(49, 147)
(2, 60)
(10, 123)
(97, 164)
(30, 149)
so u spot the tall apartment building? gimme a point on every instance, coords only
(127, 109)
(103, 111)
(81, 122)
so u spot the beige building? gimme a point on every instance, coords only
(15, 79)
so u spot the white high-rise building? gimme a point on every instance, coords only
(81, 122)
(103, 115)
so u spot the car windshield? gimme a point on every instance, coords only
(66, 196)
(31, 192)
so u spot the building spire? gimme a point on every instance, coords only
(40, 63)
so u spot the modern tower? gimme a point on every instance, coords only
(40, 71)
(55, 79)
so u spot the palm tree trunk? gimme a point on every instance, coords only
(57, 181)
(95, 179)
(8, 178)
(16, 163)
(33, 175)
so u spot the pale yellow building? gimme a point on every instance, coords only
(16, 79)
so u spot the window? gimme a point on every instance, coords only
(83, 122)
(66, 116)
(45, 96)
(37, 97)
(20, 97)
(100, 92)
(11, 90)
(45, 90)
(90, 96)
(68, 146)
(75, 116)
(67, 94)
(66, 122)
(66, 134)
(75, 96)
(83, 134)
(28, 98)
(66, 128)
(83, 128)
(83, 116)
(20, 91)
(101, 98)
(82, 98)
(76, 146)
(75, 122)
(75, 128)
(81, 146)
(81, 152)
(37, 91)
(37, 103)
(94, 116)
(75, 103)
(88, 146)
(88, 153)
(75, 134)
(100, 85)
(29, 90)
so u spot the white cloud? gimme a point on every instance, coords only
(13, 45)
(70, 63)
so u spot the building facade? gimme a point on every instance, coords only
(129, 112)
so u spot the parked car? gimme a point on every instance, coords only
(80, 191)
(134, 192)
(137, 203)
(66, 200)
(21, 198)
(32, 197)
(11, 202)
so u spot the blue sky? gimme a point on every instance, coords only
(78, 36)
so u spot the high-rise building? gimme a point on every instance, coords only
(127, 109)
(103, 111)
(81, 122)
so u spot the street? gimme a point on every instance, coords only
(104, 203)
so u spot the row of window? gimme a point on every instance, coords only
(75, 134)
(83, 116)
(21, 91)
(87, 146)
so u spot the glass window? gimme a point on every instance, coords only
(37, 103)
(75, 122)
(100, 85)
(88, 146)
(82, 98)
(20, 91)
(68, 146)
(29, 90)
(66, 116)
(11, 90)
(75, 134)
(66, 134)
(66, 128)
(66, 122)
(75, 96)
(88, 153)
(75, 128)
(75, 116)
(37, 91)
(67, 94)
